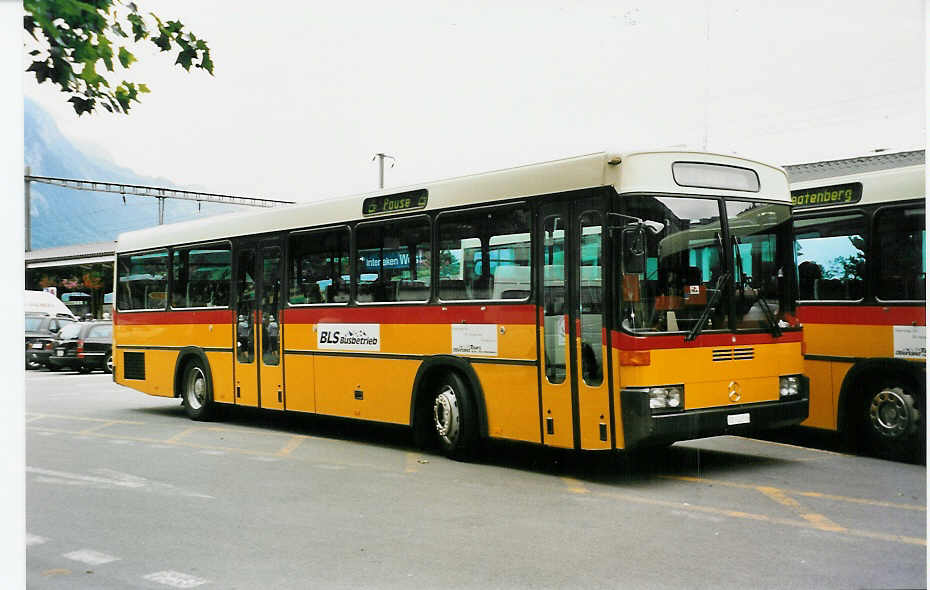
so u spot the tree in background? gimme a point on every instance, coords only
(74, 36)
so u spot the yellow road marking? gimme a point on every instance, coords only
(177, 437)
(411, 463)
(818, 520)
(864, 501)
(56, 572)
(97, 427)
(84, 419)
(34, 418)
(763, 518)
(290, 446)
(575, 486)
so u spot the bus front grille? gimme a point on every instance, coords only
(733, 354)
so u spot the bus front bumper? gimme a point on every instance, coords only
(642, 428)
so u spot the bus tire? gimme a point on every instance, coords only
(893, 422)
(196, 392)
(454, 417)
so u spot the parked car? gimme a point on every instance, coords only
(41, 332)
(84, 346)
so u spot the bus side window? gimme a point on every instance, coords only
(901, 261)
(484, 254)
(831, 257)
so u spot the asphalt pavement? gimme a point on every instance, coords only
(123, 491)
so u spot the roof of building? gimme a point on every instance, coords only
(71, 255)
(851, 166)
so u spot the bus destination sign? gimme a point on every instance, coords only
(396, 203)
(827, 196)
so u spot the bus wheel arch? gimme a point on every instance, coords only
(882, 409)
(193, 383)
(445, 391)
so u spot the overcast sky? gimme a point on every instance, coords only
(305, 93)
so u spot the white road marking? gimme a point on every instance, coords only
(43, 433)
(90, 557)
(265, 459)
(175, 579)
(109, 478)
(162, 447)
(121, 441)
(34, 540)
(211, 452)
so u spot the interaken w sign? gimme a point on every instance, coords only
(827, 196)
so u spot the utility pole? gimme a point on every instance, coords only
(28, 210)
(381, 158)
(161, 210)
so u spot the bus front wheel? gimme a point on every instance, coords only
(893, 419)
(197, 397)
(454, 418)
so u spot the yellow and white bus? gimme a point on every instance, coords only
(602, 302)
(862, 264)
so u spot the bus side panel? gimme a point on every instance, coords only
(159, 372)
(511, 399)
(849, 340)
(298, 383)
(822, 394)
(221, 370)
(364, 387)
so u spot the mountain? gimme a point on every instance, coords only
(62, 216)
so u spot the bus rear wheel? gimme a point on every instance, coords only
(454, 418)
(196, 393)
(893, 420)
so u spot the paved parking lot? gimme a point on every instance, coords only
(124, 491)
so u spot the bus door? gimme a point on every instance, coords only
(259, 374)
(573, 371)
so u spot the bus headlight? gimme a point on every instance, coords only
(667, 397)
(789, 385)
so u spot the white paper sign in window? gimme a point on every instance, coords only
(910, 342)
(480, 339)
(365, 337)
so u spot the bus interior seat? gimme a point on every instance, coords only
(452, 289)
(412, 291)
(480, 288)
(693, 275)
(312, 293)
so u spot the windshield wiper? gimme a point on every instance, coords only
(721, 283)
(766, 310)
(769, 316)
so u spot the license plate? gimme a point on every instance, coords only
(734, 419)
(60, 353)
(37, 345)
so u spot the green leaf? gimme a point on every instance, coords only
(125, 57)
(143, 89)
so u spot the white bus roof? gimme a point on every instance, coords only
(885, 178)
(627, 172)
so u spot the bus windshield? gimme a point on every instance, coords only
(687, 272)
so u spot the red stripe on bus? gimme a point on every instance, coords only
(432, 314)
(204, 316)
(871, 315)
(624, 341)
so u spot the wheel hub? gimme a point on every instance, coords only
(446, 415)
(196, 389)
(892, 413)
